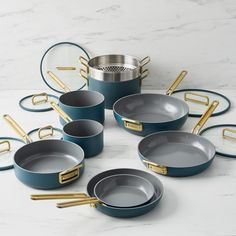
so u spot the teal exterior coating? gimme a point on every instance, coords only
(113, 91)
(149, 128)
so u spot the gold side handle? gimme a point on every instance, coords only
(66, 68)
(58, 81)
(44, 99)
(226, 136)
(55, 196)
(83, 61)
(87, 201)
(145, 61)
(132, 124)
(24, 136)
(205, 117)
(84, 75)
(188, 98)
(45, 132)
(6, 146)
(160, 169)
(176, 83)
(69, 175)
(144, 74)
(62, 114)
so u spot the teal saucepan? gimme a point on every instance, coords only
(175, 153)
(114, 76)
(80, 104)
(88, 134)
(143, 114)
(46, 164)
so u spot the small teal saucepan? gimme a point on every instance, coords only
(86, 133)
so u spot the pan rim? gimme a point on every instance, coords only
(185, 105)
(182, 132)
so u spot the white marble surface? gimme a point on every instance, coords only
(197, 35)
(199, 205)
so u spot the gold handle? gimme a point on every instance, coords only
(132, 124)
(66, 68)
(62, 114)
(59, 82)
(83, 61)
(225, 136)
(145, 61)
(44, 100)
(69, 175)
(84, 75)
(17, 128)
(187, 98)
(176, 83)
(91, 200)
(144, 74)
(58, 196)
(7, 148)
(205, 117)
(48, 134)
(160, 169)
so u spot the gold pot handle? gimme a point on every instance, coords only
(144, 74)
(40, 101)
(144, 61)
(205, 117)
(226, 136)
(62, 114)
(65, 68)
(7, 147)
(84, 75)
(132, 124)
(83, 61)
(54, 196)
(87, 201)
(176, 82)
(49, 133)
(160, 169)
(58, 81)
(189, 99)
(24, 136)
(69, 175)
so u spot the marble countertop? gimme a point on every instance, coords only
(199, 205)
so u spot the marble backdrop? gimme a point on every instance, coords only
(197, 35)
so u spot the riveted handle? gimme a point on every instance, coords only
(65, 68)
(55, 196)
(188, 98)
(176, 82)
(36, 101)
(69, 175)
(205, 117)
(87, 201)
(46, 131)
(227, 136)
(132, 124)
(145, 61)
(6, 146)
(59, 82)
(62, 114)
(84, 74)
(160, 169)
(83, 61)
(24, 136)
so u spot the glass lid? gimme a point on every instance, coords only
(38, 102)
(223, 137)
(198, 99)
(47, 132)
(8, 147)
(62, 59)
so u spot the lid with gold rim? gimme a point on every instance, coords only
(223, 137)
(62, 59)
(8, 147)
(199, 99)
(38, 102)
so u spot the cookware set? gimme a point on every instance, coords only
(51, 157)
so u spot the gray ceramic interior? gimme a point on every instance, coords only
(49, 156)
(151, 108)
(83, 128)
(81, 98)
(124, 190)
(176, 149)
